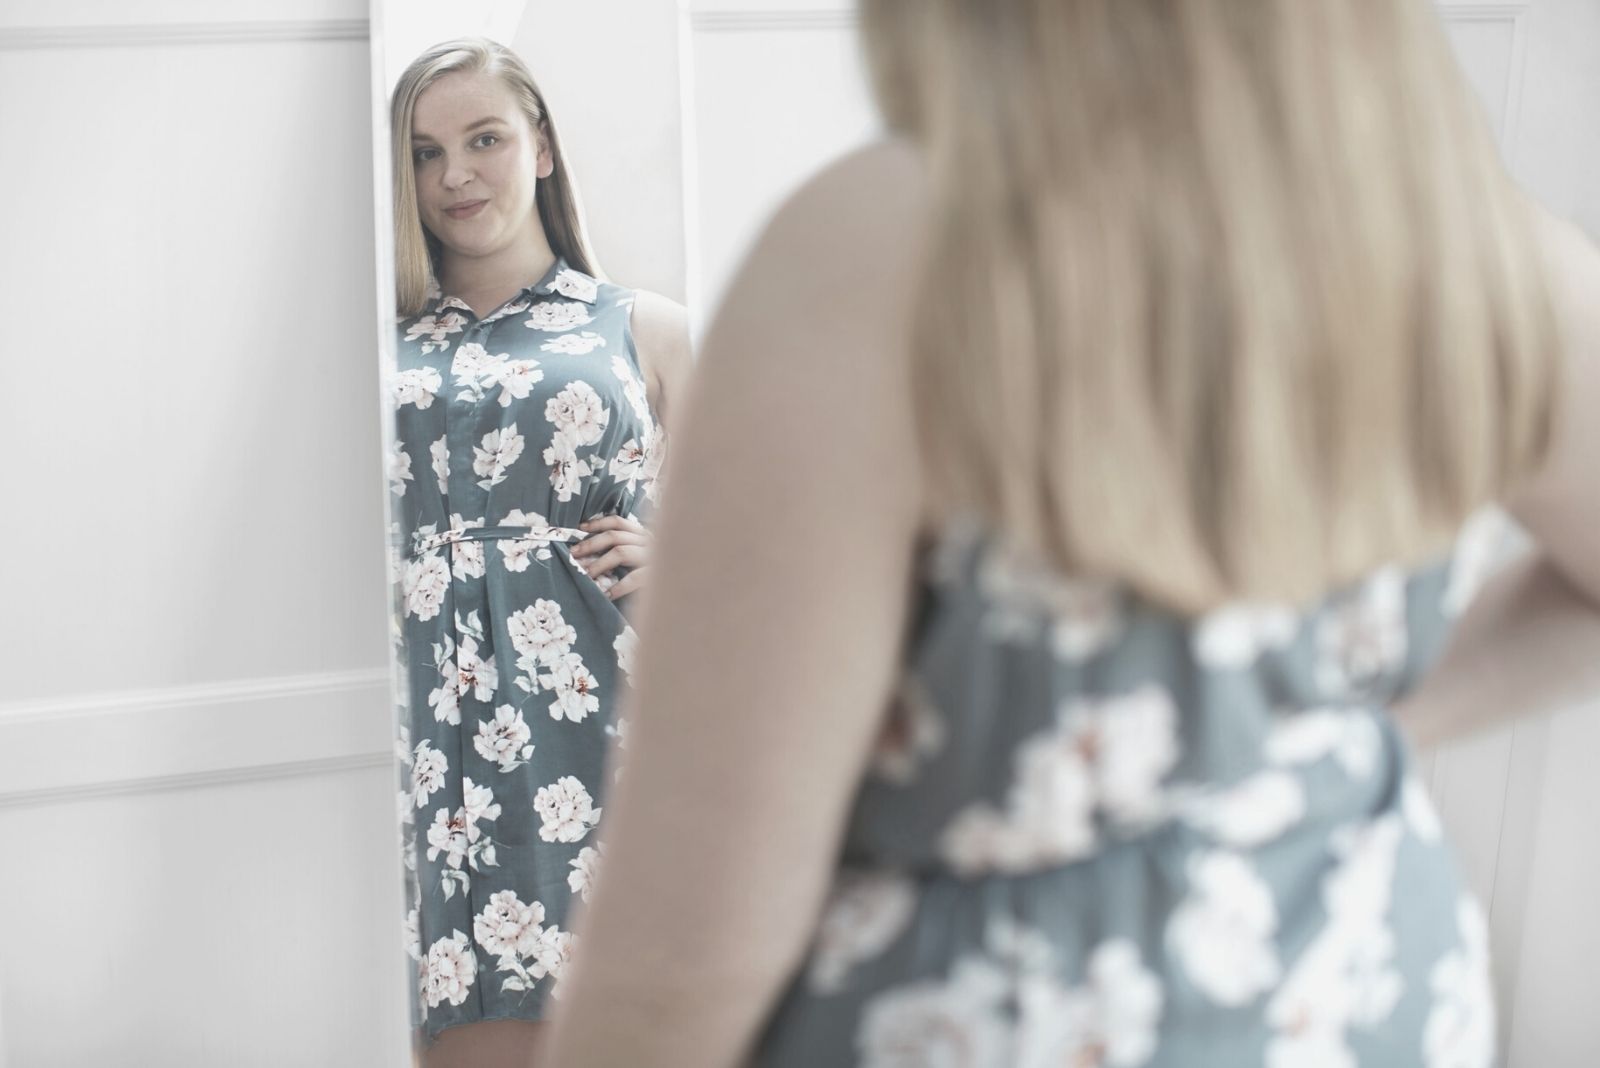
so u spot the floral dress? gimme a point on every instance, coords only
(510, 430)
(1095, 834)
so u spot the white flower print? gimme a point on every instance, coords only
(913, 731)
(448, 836)
(864, 913)
(632, 388)
(473, 369)
(436, 328)
(1361, 640)
(415, 385)
(541, 635)
(1305, 737)
(440, 452)
(499, 450)
(579, 344)
(567, 810)
(1251, 812)
(452, 966)
(627, 466)
(410, 938)
(1134, 740)
(585, 870)
(514, 933)
(1233, 636)
(1112, 753)
(445, 699)
(578, 413)
(554, 315)
(1110, 1020)
(1084, 615)
(506, 927)
(1480, 549)
(517, 379)
(428, 769)
(504, 739)
(574, 688)
(478, 804)
(1222, 932)
(474, 675)
(399, 468)
(1461, 1027)
(426, 580)
(624, 645)
(1419, 810)
(957, 1023)
(1345, 977)
(567, 472)
(570, 283)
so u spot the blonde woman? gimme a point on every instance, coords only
(1079, 484)
(530, 404)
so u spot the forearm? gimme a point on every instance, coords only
(1529, 644)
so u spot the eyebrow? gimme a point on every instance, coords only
(485, 121)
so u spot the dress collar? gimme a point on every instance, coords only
(560, 279)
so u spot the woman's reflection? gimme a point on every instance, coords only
(530, 397)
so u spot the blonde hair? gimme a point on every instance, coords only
(415, 250)
(1228, 299)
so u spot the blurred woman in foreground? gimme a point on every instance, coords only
(1075, 489)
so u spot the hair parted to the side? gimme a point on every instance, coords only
(1225, 299)
(556, 197)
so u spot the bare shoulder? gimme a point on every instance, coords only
(838, 261)
(1560, 504)
(660, 327)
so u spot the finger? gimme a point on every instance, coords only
(628, 555)
(596, 542)
(629, 582)
(614, 522)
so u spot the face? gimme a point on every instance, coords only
(472, 145)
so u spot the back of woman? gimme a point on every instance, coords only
(1228, 334)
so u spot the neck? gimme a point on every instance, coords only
(510, 268)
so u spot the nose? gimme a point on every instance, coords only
(456, 173)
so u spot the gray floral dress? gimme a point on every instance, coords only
(1093, 833)
(510, 430)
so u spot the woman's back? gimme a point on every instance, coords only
(1096, 832)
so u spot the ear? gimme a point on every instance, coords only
(544, 164)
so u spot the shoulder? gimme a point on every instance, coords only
(814, 321)
(1559, 505)
(660, 329)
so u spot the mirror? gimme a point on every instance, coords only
(536, 271)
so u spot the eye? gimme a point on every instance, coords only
(420, 154)
(482, 136)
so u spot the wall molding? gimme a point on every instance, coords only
(767, 21)
(206, 734)
(154, 34)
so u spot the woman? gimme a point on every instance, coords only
(530, 405)
(1089, 462)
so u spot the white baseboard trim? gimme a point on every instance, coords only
(146, 34)
(107, 744)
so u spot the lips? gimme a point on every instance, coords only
(464, 210)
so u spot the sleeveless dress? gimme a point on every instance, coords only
(1095, 834)
(510, 430)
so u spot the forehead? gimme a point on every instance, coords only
(458, 100)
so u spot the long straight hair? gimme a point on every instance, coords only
(1226, 299)
(416, 251)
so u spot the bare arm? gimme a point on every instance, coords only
(1530, 642)
(768, 646)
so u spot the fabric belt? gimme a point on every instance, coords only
(520, 532)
